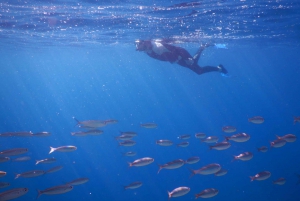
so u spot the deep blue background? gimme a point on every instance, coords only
(44, 86)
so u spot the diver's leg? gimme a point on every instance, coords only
(207, 69)
(197, 56)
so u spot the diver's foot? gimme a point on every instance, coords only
(222, 69)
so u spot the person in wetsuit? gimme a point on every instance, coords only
(166, 52)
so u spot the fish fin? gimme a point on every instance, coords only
(192, 172)
(39, 193)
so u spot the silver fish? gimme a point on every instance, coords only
(42, 134)
(277, 143)
(4, 159)
(2, 173)
(17, 134)
(29, 174)
(90, 124)
(262, 149)
(4, 184)
(192, 160)
(13, 193)
(63, 149)
(240, 137)
(124, 137)
(127, 143)
(183, 144)
(228, 129)
(200, 135)
(149, 125)
(54, 169)
(55, 190)
(21, 159)
(131, 133)
(111, 121)
(256, 120)
(244, 156)
(177, 192)
(13, 152)
(210, 139)
(207, 193)
(130, 153)
(184, 137)
(220, 146)
(133, 185)
(261, 176)
(141, 162)
(46, 160)
(288, 137)
(280, 181)
(206, 170)
(171, 165)
(164, 142)
(78, 181)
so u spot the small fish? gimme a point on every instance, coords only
(277, 143)
(164, 142)
(262, 149)
(133, 185)
(111, 121)
(124, 137)
(200, 135)
(171, 165)
(240, 137)
(183, 144)
(244, 156)
(4, 184)
(29, 174)
(13, 152)
(78, 181)
(280, 181)
(256, 120)
(63, 149)
(296, 119)
(207, 193)
(192, 160)
(261, 176)
(4, 159)
(288, 137)
(130, 153)
(184, 137)
(21, 159)
(210, 139)
(149, 125)
(220, 146)
(13, 193)
(54, 169)
(46, 160)
(79, 134)
(55, 190)
(127, 143)
(42, 134)
(206, 170)
(90, 124)
(221, 172)
(131, 133)
(228, 129)
(141, 162)
(2, 173)
(17, 134)
(177, 192)
(89, 132)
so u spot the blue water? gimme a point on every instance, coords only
(64, 59)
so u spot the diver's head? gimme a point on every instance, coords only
(142, 45)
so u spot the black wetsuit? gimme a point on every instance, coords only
(182, 57)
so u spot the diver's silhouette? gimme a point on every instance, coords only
(166, 52)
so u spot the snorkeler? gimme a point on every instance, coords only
(166, 52)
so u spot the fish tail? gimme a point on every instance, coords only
(37, 162)
(169, 195)
(226, 138)
(252, 178)
(39, 193)
(129, 164)
(78, 122)
(278, 137)
(51, 150)
(17, 175)
(295, 120)
(234, 158)
(193, 172)
(160, 168)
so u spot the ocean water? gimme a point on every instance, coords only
(63, 59)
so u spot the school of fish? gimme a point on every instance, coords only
(91, 127)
